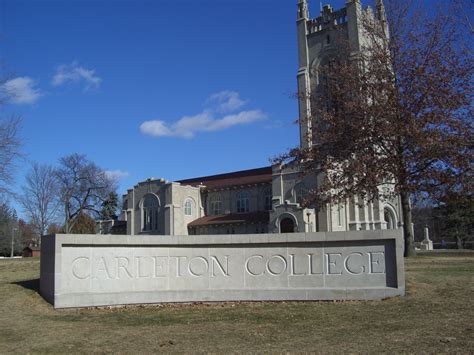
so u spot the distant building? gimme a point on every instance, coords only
(266, 200)
(31, 251)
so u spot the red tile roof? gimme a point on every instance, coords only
(243, 177)
(233, 218)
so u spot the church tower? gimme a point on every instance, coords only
(318, 40)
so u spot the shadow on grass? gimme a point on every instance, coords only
(29, 284)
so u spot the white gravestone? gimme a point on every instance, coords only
(426, 243)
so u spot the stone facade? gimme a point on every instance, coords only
(233, 203)
(268, 200)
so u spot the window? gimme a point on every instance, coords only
(150, 208)
(243, 202)
(188, 207)
(268, 199)
(339, 216)
(389, 219)
(301, 194)
(215, 205)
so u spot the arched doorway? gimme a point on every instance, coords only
(287, 225)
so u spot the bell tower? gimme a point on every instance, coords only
(319, 39)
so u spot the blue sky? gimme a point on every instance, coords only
(165, 88)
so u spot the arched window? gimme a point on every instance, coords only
(243, 202)
(215, 205)
(188, 207)
(150, 208)
(389, 218)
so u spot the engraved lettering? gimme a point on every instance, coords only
(160, 263)
(274, 270)
(178, 265)
(216, 262)
(102, 266)
(122, 264)
(140, 260)
(331, 262)
(311, 269)
(375, 262)
(203, 262)
(293, 267)
(349, 269)
(77, 265)
(247, 265)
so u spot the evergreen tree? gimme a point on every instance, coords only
(457, 214)
(109, 207)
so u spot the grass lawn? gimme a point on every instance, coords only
(436, 315)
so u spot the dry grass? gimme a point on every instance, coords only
(435, 316)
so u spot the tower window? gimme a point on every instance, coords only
(328, 39)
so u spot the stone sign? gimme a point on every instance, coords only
(98, 270)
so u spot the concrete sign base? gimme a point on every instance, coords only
(103, 270)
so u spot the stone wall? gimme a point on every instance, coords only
(93, 270)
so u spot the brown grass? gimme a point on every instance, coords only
(435, 316)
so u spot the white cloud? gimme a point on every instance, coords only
(117, 174)
(206, 121)
(187, 127)
(73, 73)
(21, 90)
(226, 101)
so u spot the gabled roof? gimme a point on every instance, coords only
(233, 218)
(243, 177)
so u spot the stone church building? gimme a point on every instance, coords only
(268, 199)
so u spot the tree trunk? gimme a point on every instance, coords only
(407, 221)
(459, 242)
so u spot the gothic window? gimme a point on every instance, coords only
(150, 208)
(243, 202)
(301, 193)
(389, 218)
(188, 207)
(215, 205)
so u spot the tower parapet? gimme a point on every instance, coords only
(328, 19)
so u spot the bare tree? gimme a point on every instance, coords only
(10, 145)
(83, 187)
(395, 117)
(40, 197)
